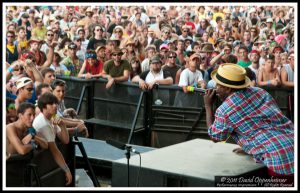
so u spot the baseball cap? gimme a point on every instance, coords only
(72, 46)
(23, 82)
(164, 46)
(155, 59)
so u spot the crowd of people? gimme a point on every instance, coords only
(148, 45)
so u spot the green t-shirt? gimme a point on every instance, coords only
(244, 64)
(116, 71)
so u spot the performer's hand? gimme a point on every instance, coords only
(209, 97)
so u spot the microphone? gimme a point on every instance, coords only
(120, 145)
(195, 89)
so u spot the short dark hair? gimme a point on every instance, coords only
(219, 18)
(57, 82)
(45, 99)
(195, 44)
(46, 70)
(24, 106)
(243, 47)
(40, 87)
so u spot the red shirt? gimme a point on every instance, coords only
(94, 69)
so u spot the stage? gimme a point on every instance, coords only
(194, 163)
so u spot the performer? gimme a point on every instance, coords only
(252, 118)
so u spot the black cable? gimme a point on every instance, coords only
(138, 176)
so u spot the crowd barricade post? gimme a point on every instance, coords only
(38, 168)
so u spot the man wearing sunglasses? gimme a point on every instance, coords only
(24, 90)
(185, 29)
(116, 70)
(171, 65)
(49, 39)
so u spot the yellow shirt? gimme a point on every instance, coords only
(22, 44)
(218, 15)
(11, 48)
(202, 16)
(40, 33)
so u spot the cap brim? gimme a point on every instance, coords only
(213, 76)
(154, 61)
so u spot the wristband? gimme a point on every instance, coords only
(190, 89)
(269, 82)
(10, 70)
(32, 132)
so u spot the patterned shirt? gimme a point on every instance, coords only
(256, 123)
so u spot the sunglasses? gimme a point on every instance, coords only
(185, 31)
(29, 89)
(98, 29)
(118, 31)
(18, 69)
(167, 32)
(117, 54)
(172, 56)
(50, 34)
(11, 106)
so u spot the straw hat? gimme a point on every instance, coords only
(280, 9)
(118, 27)
(101, 46)
(89, 9)
(226, 11)
(129, 41)
(194, 56)
(35, 39)
(116, 51)
(231, 75)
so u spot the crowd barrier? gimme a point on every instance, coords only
(160, 117)
(38, 168)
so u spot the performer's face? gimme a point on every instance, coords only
(222, 92)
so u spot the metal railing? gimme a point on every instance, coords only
(164, 109)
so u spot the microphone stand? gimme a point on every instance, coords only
(128, 149)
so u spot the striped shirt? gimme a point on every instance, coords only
(256, 123)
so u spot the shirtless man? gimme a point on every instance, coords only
(18, 131)
(269, 75)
